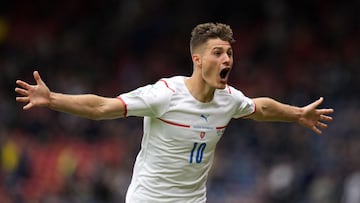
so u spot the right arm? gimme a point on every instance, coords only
(85, 105)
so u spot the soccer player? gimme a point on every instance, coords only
(184, 117)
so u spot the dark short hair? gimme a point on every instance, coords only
(203, 32)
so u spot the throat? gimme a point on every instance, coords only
(200, 92)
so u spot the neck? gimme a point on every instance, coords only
(199, 89)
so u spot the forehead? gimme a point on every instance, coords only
(217, 43)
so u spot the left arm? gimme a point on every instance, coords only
(268, 109)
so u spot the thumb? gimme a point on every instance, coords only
(317, 102)
(37, 77)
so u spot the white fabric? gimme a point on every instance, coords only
(180, 136)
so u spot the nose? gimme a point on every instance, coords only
(227, 59)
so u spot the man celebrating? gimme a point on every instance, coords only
(184, 117)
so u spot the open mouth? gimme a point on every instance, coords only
(224, 72)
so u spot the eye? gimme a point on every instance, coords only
(217, 53)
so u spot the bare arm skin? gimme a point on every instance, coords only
(310, 116)
(85, 105)
(98, 108)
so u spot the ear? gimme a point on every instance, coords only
(196, 59)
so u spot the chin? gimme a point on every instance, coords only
(221, 86)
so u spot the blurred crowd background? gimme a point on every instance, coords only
(293, 51)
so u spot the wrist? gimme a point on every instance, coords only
(299, 115)
(52, 99)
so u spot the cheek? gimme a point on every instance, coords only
(209, 69)
(209, 73)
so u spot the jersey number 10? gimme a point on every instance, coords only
(198, 152)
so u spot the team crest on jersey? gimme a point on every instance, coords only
(202, 134)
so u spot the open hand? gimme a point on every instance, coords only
(33, 95)
(314, 118)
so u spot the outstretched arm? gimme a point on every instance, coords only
(85, 105)
(309, 116)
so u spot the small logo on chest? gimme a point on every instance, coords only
(205, 117)
(220, 132)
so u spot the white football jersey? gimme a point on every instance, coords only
(180, 136)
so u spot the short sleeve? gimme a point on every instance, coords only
(246, 105)
(150, 100)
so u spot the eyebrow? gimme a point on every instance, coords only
(222, 48)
